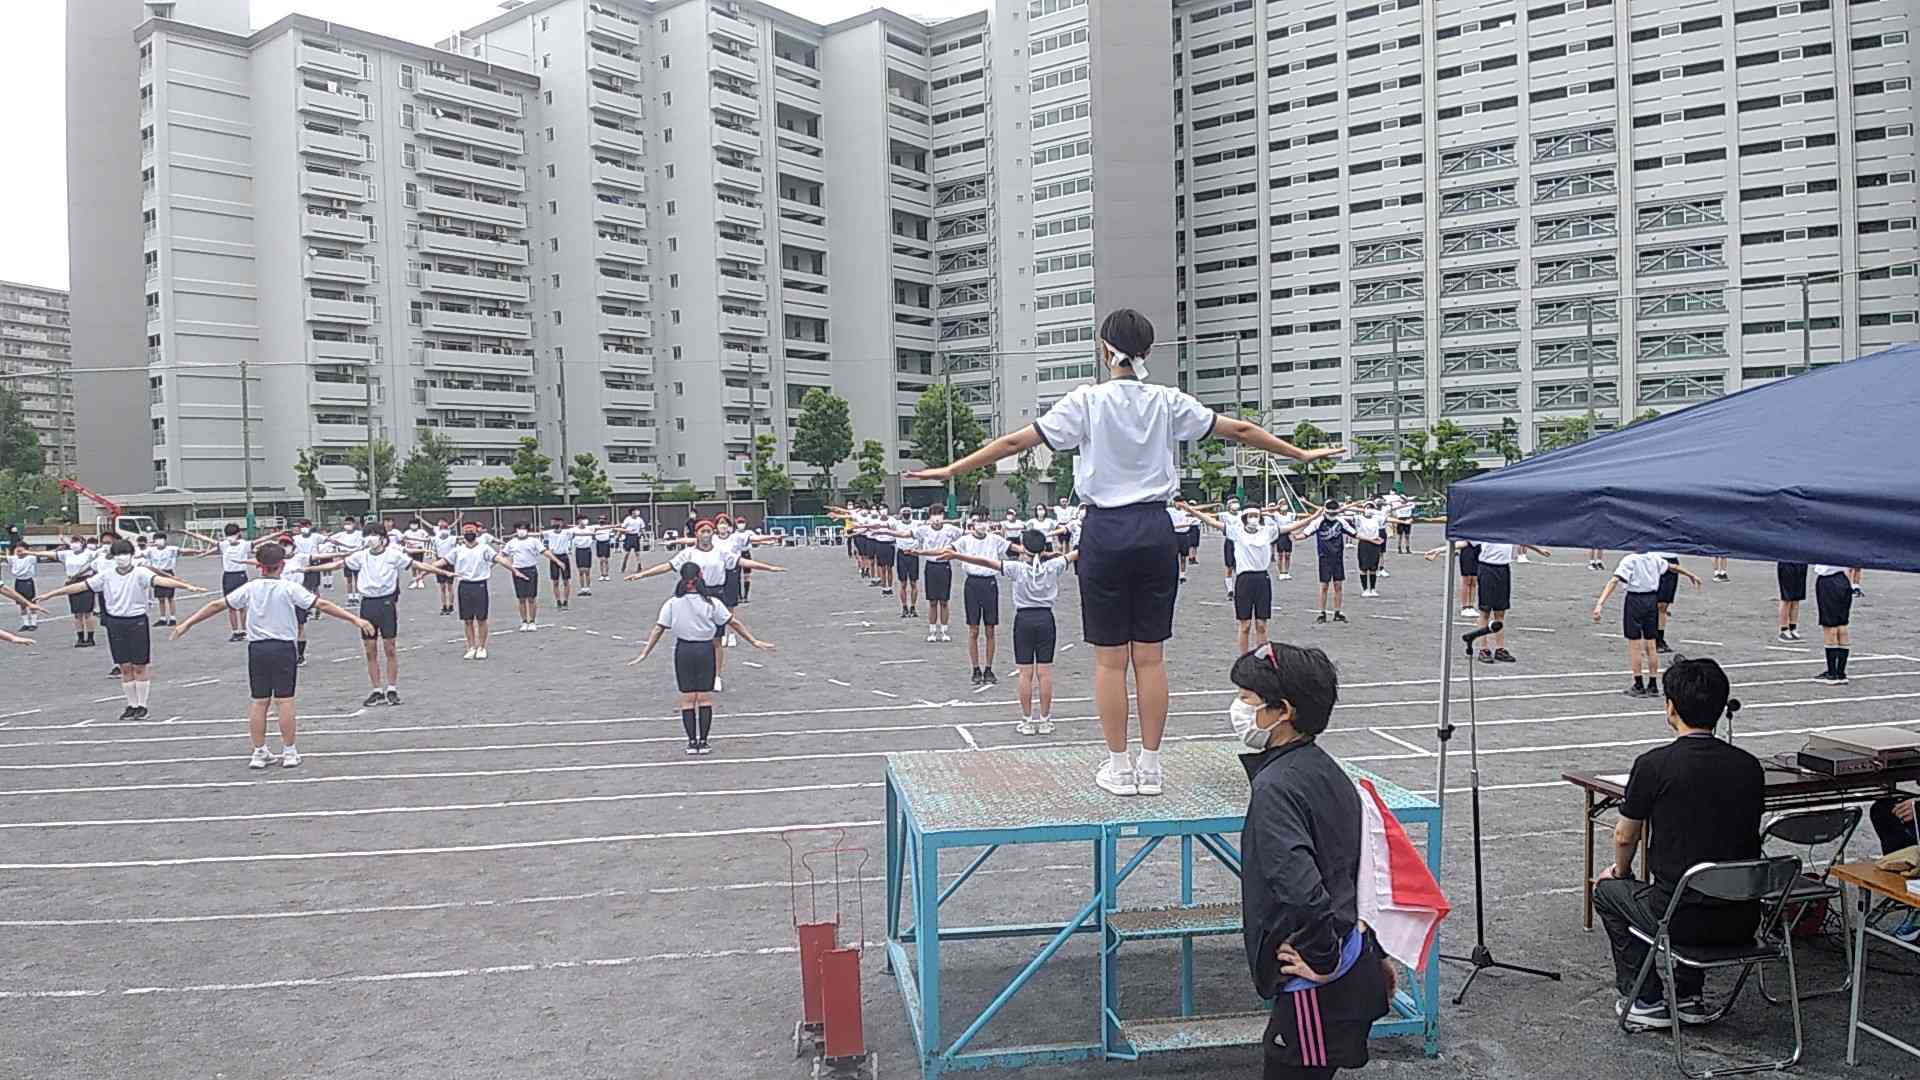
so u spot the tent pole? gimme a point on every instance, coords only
(1444, 726)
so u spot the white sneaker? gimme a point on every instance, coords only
(1026, 726)
(719, 684)
(479, 654)
(604, 577)
(946, 634)
(1117, 781)
(1147, 781)
(1469, 612)
(290, 759)
(260, 759)
(1522, 557)
(1044, 725)
(1386, 573)
(933, 634)
(733, 640)
(468, 655)
(1286, 577)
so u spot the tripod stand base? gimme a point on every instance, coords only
(1482, 959)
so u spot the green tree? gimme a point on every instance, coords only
(532, 473)
(1315, 475)
(1370, 450)
(1563, 432)
(29, 497)
(684, 491)
(494, 491)
(1209, 462)
(1644, 416)
(20, 449)
(929, 439)
(1021, 480)
(1446, 457)
(1506, 441)
(823, 437)
(1061, 473)
(382, 470)
(425, 477)
(770, 480)
(870, 478)
(590, 482)
(306, 476)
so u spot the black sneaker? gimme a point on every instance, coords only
(140, 712)
(115, 673)
(1633, 691)
(1662, 647)
(237, 635)
(393, 697)
(1503, 656)
(1320, 618)
(1644, 1017)
(1485, 657)
(1694, 1011)
(989, 677)
(977, 679)
(1338, 617)
(1858, 591)
(375, 698)
(1828, 678)
(129, 713)
(693, 747)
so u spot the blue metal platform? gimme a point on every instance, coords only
(939, 801)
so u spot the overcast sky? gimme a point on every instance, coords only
(33, 200)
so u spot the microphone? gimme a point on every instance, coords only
(1476, 635)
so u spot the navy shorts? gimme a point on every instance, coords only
(560, 571)
(273, 669)
(694, 666)
(1496, 586)
(906, 565)
(1034, 636)
(1252, 596)
(232, 580)
(475, 598)
(26, 587)
(1640, 618)
(1333, 567)
(528, 587)
(1669, 586)
(982, 596)
(1129, 574)
(583, 558)
(1226, 548)
(128, 639)
(1793, 580)
(629, 541)
(939, 582)
(1834, 594)
(1470, 560)
(730, 589)
(1370, 556)
(384, 613)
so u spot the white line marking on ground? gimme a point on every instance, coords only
(1693, 641)
(1533, 629)
(883, 693)
(103, 700)
(981, 689)
(22, 712)
(342, 659)
(450, 849)
(753, 663)
(966, 736)
(1398, 741)
(1068, 646)
(1611, 637)
(871, 633)
(1395, 618)
(595, 633)
(84, 723)
(199, 682)
(837, 682)
(1789, 648)
(617, 637)
(895, 663)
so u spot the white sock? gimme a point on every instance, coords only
(146, 692)
(391, 688)
(132, 690)
(1120, 761)
(1149, 760)
(289, 748)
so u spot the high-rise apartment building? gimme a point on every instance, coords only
(646, 230)
(36, 363)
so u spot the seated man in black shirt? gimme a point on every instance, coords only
(1703, 798)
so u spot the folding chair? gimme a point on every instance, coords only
(1751, 881)
(1808, 831)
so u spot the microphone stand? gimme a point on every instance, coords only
(1482, 957)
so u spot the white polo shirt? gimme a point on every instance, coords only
(990, 546)
(234, 553)
(1497, 555)
(443, 545)
(524, 551)
(269, 604)
(22, 567)
(474, 562)
(76, 562)
(1821, 570)
(163, 559)
(1639, 571)
(560, 541)
(634, 525)
(1035, 585)
(123, 595)
(712, 563)
(693, 617)
(379, 574)
(1128, 433)
(1252, 548)
(348, 542)
(1371, 525)
(927, 538)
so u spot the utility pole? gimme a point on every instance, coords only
(566, 461)
(753, 450)
(373, 472)
(1592, 414)
(1806, 329)
(946, 383)
(246, 446)
(1239, 482)
(1393, 333)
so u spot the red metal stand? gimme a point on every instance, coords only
(831, 1023)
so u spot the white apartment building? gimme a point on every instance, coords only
(36, 363)
(645, 230)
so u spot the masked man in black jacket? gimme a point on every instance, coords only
(1300, 858)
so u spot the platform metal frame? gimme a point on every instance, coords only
(938, 802)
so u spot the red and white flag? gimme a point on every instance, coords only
(1398, 896)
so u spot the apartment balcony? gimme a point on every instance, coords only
(432, 202)
(752, 251)
(474, 360)
(789, 88)
(744, 398)
(485, 438)
(328, 103)
(350, 147)
(612, 138)
(603, 62)
(623, 288)
(431, 164)
(739, 177)
(614, 26)
(751, 325)
(626, 399)
(620, 435)
(620, 213)
(734, 102)
(910, 197)
(321, 392)
(730, 26)
(619, 176)
(636, 361)
(628, 325)
(358, 271)
(753, 217)
(345, 311)
(744, 358)
(743, 433)
(338, 434)
(493, 288)
(441, 397)
(747, 141)
(330, 186)
(341, 352)
(745, 288)
(345, 65)
(336, 228)
(615, 101)
(469, 322)
(800, 302)
(445, 89)
(633, 251)
(472, 134)
(736, 66)
(445, 243)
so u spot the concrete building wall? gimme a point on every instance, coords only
(36, 363)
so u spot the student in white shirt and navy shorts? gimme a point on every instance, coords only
(1127, 432)
(1640, 616)
(1833, 596)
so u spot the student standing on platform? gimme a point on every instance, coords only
(1127, 432)
(981, 594)
(1702, 796)
(697, 620)
(1303, 845)
(1496, 595)
(378, 568)
(1640, 617)
(1250, 537)
(936, 534)
(1669, 589)
(473, 563)
(1792, 579)
(1833, 593)
(124, 599)
(1329, 529)
(22, 565)
(524, 553)
(273, 671)
(1036, 586)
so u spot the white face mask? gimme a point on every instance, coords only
(980, 528)
(306, 530)
(76, 545)
(1245, 720)
(1252, 522)
(123, 562)
(521, 533)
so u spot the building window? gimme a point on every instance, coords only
(1695, 386)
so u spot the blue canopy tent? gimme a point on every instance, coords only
(1821, 468)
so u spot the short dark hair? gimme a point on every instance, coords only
(121, 547)
(1127, 330)
(1034, 542)
(1288, 674)
(1697, 690)
(232, 529)
(270, 556)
